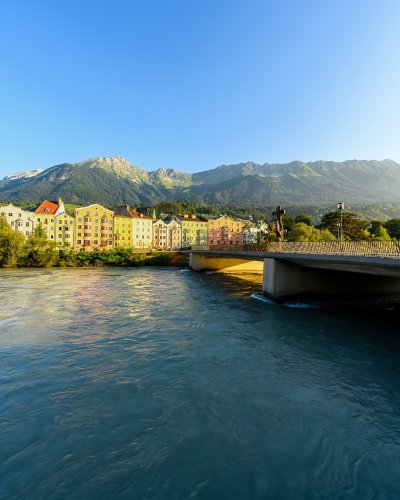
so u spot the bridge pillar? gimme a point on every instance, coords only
(283, 280)
(199, 262)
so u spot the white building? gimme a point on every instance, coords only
(250, 234)
(20, 220)
(167, 234)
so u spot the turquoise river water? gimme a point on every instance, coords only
(160, 383)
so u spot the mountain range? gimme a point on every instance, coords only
(114, 181)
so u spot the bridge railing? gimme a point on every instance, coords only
(390, 249)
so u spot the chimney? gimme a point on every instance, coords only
(59, 201)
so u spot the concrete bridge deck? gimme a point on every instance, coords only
(347, 269)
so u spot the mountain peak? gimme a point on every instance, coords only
(23, 175)
(109, 160)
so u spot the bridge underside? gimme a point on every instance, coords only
(285, 279)
(288, 276)
(225, 264)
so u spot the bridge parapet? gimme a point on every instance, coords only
(388, 249)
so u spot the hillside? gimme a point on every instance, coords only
(115, 180)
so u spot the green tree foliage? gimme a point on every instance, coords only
(303, 232)
(354, 228)
(381, 235)
(39, 251)
(11, 244)
(301, 217)
(288, 222)
(393, 228)
(378, 232)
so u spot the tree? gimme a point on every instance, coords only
(393, 228)
(381, 235)
(378, 232)
(354, 228)
(288, 223)
(39, 251)
(11, 244)
(301, 217)
(303, 232)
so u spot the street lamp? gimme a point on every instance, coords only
(340, 207)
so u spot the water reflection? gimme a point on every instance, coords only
(158, 383)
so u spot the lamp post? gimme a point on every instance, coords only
(341, 208)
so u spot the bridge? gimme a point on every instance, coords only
(293, 269)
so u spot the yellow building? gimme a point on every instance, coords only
(64, 230)
(123, 227)
(132, 229)
(58, 225)
(224, 230)
(193, 229)
(94, 228)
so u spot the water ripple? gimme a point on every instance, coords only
(158, 383)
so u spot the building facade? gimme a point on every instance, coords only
(194, 230)
(58, 225)
(224, 230)
(167, 234)
(250, 234)
(142, 230)
(94, 228)
(20, 220)
(123, 227)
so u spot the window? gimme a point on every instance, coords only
(10, 215)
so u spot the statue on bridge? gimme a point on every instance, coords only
(279, 212)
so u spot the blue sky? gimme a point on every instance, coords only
(192, 84)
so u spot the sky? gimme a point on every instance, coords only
(193, 84)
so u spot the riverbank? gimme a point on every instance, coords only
(52, 257)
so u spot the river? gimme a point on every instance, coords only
(161, 383)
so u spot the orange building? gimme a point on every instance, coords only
(224, 230)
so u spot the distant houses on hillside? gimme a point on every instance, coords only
(96, 227)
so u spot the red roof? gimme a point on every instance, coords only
(137, 214)
(47, 207)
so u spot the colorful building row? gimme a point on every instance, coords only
(96, 227)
